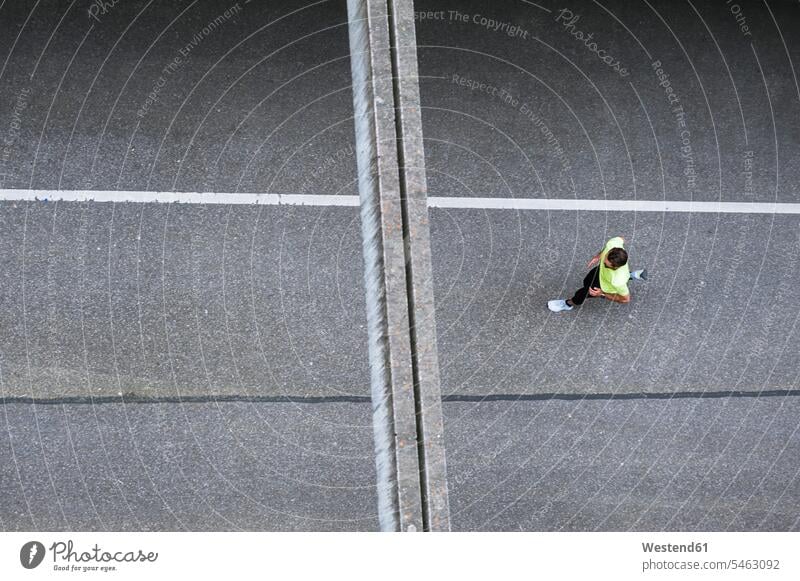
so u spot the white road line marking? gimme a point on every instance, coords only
(433, 201)
(614, 205)
(144, 197)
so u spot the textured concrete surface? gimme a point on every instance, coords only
(259, 101)
(156, 300)
(681, 464)
(169, 301)
(553, 121)
(219, 313)
(715, 314)
(187, 466)
(634, 465)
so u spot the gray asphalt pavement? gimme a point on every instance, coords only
(204, 367)
(632, 465)
(188, 466)
(156, 300)
(704, 112)
(675, 464)
(152, 300)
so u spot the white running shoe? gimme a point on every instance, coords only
(639, 274)
(558, 305)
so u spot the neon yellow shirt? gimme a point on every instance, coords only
(613, 281)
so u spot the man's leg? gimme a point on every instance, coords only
(589, 281)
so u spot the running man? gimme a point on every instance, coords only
(608, 278)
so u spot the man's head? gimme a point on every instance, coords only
(615, 258)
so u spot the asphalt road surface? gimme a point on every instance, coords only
(203, 366)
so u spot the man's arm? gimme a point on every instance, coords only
(617, 298)
(596, 292)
